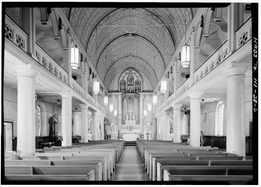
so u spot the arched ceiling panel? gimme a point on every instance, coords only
(156, 32)
(123, 64)
(131, 46)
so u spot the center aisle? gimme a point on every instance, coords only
(130, 166)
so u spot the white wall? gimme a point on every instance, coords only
(208, 111)
(10, 107)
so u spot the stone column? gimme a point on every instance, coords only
(185, 128)
(84, 123)
(154, 129)
(66, 119)
(102, 127)
(119, 115)
(177, 122)
(195, 118)
(94, 125)
(236, 109)
(165, 127)
(77, 123)
(141, 115)
(26, 111)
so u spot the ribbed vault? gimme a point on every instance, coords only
(111, 36)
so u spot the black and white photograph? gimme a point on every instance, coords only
(129, 93)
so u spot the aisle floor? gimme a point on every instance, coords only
(130, 166)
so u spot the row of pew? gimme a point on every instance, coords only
(180, 163)
(93, 161)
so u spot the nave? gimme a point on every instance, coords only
(130, 166)
(82, 80)
(111, 161)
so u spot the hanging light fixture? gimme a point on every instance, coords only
(115, 112)
(163, 86)
(185, 56)
(185, 52)
(111, 107)
(75, 57)
(145, 112)
(96, 86)
(106, 100)
(154, 99)
(149, 107)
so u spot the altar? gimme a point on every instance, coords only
(130, 137)
(130, 130)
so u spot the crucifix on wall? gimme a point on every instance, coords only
(130, 109)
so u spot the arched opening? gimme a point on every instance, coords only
(219, 125)
(39, 121)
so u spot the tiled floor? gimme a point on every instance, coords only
(130, 167)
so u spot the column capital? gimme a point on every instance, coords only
(84, 106)
(177, 106)
(195, 95)
(26, 71)
(236, 69)
(66, 95)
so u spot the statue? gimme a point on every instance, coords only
(52, 121)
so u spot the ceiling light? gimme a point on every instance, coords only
(163, 86)
(75, 57)
(106, 100)
(149, 107)
(154, 99)
(96, 86)
(185, 56)
(111, 107)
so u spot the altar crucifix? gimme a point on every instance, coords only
(130, 109)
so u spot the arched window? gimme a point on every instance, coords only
(137, 85)
(123, 85)
(39, 122)
(219, 119)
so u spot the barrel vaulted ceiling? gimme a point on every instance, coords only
(118, 38)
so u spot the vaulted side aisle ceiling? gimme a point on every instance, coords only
(142, 38)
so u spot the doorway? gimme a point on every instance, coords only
(8, 136)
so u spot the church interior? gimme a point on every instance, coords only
(160, 93)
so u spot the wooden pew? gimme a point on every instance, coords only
(100, 170)
(208, 179)
(69, 170)
(103, 154)
(159, 162)
(55, 170)
(29, 178)
(231, 162)
(214, 157)
(148, 153)
(231, 170)
(155, 159)
(105, 163)
(106, 154)
(239, 170)
(18, 170)
(27, 162)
